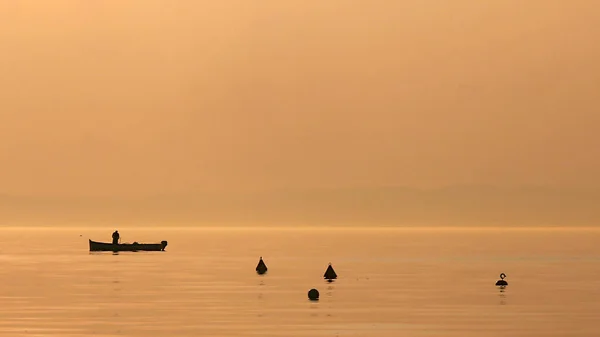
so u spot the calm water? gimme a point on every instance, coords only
(400, 282)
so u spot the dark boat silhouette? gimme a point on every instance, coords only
(126, 247)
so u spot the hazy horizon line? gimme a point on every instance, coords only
(305, 227)
(292, 189)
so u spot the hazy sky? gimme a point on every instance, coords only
(143, 97)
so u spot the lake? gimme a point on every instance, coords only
(391, 282)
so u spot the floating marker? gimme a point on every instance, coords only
(501, 281)
(261, 268)
(330, 274)
(313, 295)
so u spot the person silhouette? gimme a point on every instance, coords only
(115, 237)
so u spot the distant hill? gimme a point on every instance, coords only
(397, 206)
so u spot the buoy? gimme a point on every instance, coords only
(261, 268)
(313, 295)
(330, 274)
(501, 281)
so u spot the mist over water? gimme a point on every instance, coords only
(391, 282)
(288, 129)
(143, 97)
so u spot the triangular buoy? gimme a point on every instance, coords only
(261, 268)
(330, 273)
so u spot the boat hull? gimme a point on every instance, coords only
(126, 247)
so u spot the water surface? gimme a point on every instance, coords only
(392, 282)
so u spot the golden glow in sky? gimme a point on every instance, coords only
(146, 97)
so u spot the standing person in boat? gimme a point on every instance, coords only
(116, 237)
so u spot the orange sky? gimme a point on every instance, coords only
(145, 97)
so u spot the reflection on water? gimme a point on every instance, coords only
(329, 291)
(502, 295)
(394, 283)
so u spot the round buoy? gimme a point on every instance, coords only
(313, 294)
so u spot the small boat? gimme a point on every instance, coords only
(126, 247)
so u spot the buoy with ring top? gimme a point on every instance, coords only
(501, 281)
